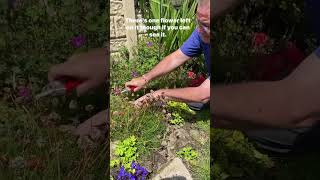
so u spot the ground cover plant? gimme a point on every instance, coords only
(260, 40)
(35, 141)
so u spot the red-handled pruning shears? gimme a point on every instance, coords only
(131, 88)
(59, 87)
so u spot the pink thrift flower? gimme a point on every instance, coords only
(197, 81)
(117, 91)
(260, 39)
(191, 75)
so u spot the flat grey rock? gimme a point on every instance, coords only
(113, 146)
(175, 170)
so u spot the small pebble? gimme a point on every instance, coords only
(55, 102)
(73, 104)
(53, 116)
(115, 113)
(89, 107)
(22, 82)
(18, 162)
(7, 89)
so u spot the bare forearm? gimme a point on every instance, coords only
(261, 103)
(290, 103)
(190, 94)
(167, 65)
(221, 7)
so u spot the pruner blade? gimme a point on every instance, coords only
(131, 88)
(53, 89)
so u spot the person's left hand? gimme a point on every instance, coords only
(147, 99)
(91, 126)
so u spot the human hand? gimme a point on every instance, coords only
(138, 83)
(90, 67)
(91, 127)
(149, 98)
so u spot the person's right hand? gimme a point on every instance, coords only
(139, 83)
(90, 67)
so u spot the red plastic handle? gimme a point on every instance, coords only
(72, 84)
(132, 87)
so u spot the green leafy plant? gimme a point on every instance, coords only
(180, 112)
(164, 9)
(177, 119)
(187, 153)
(114, 162)
(180, 107)
(127, 152)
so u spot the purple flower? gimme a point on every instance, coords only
(149, 44)
(134, 74)
(123, 175)
(140, 173)
(133, 165)
(78, 41)
(24, 92)
(139, 170)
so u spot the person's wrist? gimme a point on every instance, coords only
(146, 78)
(160, 94)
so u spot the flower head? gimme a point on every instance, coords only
(140, 171)
(117, 91)
(134, 74)
(191, 75)
(78, 41)
(24, 93)
(260, 39)
(123, 174)
(197, 81)
(149, 44)
(133, 165)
